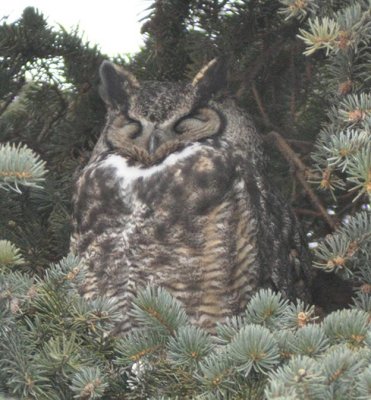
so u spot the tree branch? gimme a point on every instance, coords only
(260, 105)
(300, 169)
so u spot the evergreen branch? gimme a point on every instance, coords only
(298, 315)
(259, 64)
(227, 330)
(19, 165)
(10, 255)
(339, 251)
(285, 340)
(341, 366)
(216, 376)
(322, 35)
(357, 229)
(15, 289)
(60, 355)
(98, 316)
(157, 310)
(89, 384)
(310, 341)
(58, 115)
(24, 380)
(363, 386)
(56, 345)
(301, 377)
(342, 147)
(297, 8)
(350, 27)
(359, 171)
(355, 25)
(362, 301)
(347, 327)
(254, 349)
(189, 346)
(278, 391)
(138, 345)
(266, 308)
(327, 179)
(9, 100)
(353, 109)
(335, 254)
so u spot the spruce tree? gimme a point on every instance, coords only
(302, 69)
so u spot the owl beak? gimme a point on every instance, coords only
(155, 140)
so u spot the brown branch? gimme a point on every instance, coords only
(260, 105)
(292, 89)
(305, 144)
(304, 211)
(300, 169)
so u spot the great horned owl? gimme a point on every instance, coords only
(175, 195)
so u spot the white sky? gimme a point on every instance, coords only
(111, 24)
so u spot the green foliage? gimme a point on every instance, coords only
(342, 154)
(54, 344)
(163, 314)
(324, 362)
(20, 166)
(254, 349)
(301, 67)
(189, 346)
(9, 255)
(301, 377)
(297, 8)
(43, 94)
(89, 384)
(60, 347)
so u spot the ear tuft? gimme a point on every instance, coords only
(211, 77)
(116, 83)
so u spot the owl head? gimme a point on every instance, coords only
(149, 120)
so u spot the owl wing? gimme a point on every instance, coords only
(285, 263)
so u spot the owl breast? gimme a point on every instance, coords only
(183, 225)
(176, 195)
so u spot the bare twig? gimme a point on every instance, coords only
(304, 211)
(260, 105)
(304, 144)
(300, 169)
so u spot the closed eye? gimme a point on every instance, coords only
(122, 130)
(126, 126)
(132, 129)
(188, 124)
(202, 120)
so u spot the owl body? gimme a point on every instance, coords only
(175, 195)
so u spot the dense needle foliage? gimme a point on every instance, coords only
(302, 69)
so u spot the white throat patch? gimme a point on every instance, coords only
(132, 173)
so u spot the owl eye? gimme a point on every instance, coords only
(203, 123)
(192, 122)
(123, 130)
(132, 129)
(126, 126)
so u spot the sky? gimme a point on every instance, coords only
(111, 24)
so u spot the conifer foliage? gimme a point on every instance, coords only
(302, 68)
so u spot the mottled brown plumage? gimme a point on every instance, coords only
(175, 194)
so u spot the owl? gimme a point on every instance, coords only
(176, 195)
